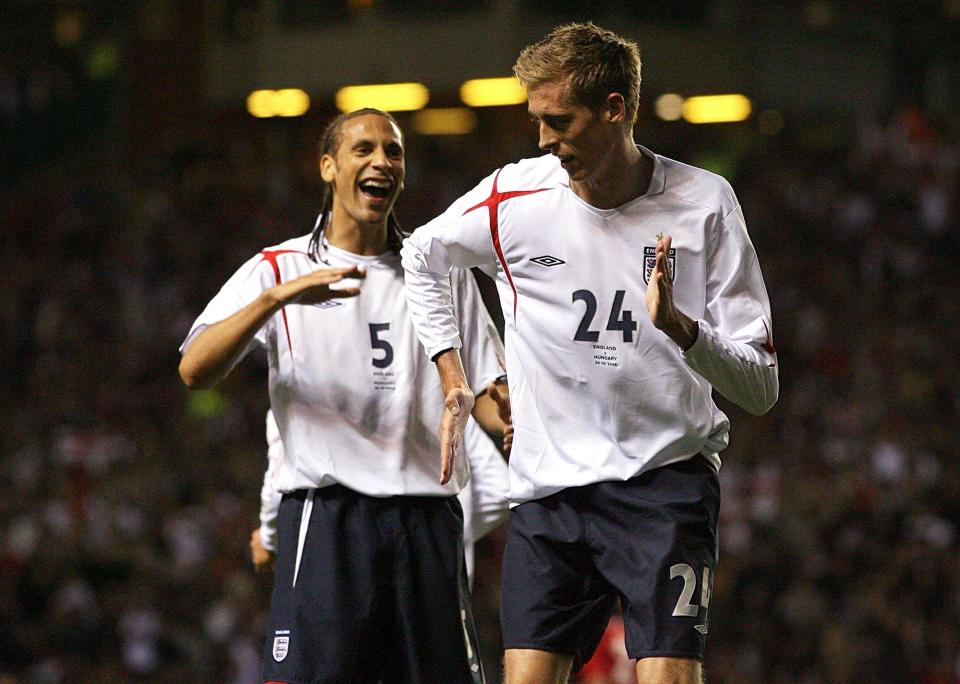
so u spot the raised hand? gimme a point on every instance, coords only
(660, 305)
(314, 288)
(660, 287)
(459, 404)
(216, 349)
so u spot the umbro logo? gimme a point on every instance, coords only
(701, 628)
(329, 304)
(547, 260)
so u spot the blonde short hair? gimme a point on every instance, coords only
(597, 62)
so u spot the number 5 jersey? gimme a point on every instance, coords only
(356, 400)
(598, 393)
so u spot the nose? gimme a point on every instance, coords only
(548, 138)
(381, 160)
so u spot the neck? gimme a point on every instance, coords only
(358, 238)
(623, 174)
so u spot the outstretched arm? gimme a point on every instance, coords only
(212, 354)
(457, 238)
(459, 401)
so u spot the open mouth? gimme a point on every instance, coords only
(376, 188)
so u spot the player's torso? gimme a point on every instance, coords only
(580, 276)
(598, 391)
(355, 360)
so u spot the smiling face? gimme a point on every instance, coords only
(366, 169)
(581, 137)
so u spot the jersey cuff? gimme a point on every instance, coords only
(268, 538)
(437, 350)
(694, 350)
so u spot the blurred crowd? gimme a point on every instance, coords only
(839, 524)
(129, 501)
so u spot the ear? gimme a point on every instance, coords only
(328, 168)
(615, 108)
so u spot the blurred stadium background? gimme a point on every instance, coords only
(137, 170)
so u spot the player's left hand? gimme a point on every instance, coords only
(663, 313)
(660, 287)
(459, 404)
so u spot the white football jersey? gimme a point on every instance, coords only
(599, 393)
(356, 401)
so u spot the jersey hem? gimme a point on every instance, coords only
(711, 457)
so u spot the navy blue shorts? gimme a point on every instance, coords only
(380, 593)
(650, 542)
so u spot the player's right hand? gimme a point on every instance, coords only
(459, 404)
(263, 560)
(314, 288)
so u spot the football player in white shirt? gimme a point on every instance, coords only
(369, 582)
(630, 290)
(484, 499)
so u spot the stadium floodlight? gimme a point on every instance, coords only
(444, 121)
(264, 104)
(290, 102)
(669, 107)
(716, 108)
(390, 97)
(259, 103)
(493, 92)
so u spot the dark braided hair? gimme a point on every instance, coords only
(328, 145)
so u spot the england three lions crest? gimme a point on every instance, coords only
(281, 646)
(650, 260)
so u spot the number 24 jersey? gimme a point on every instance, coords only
(599, 393)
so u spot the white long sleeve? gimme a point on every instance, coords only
(740, 362)
(739, 371)
(457, 238)
(269, 494)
